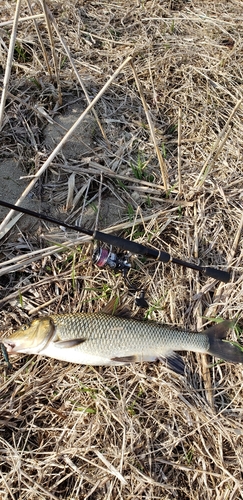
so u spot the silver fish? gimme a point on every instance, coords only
(102, 339)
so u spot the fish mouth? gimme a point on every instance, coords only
(9, 346)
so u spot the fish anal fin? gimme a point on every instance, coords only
(174, 362)
(63, 344)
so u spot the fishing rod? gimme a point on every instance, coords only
(103, 257)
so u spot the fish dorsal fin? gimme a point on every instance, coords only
(115, 308)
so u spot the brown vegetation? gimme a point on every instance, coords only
(158, 159)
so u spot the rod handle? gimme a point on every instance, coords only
(217, 274)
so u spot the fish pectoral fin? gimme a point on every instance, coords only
(174, 362)
(68, 343)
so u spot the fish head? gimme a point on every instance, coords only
(30, 338)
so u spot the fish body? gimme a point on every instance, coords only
(102, 339)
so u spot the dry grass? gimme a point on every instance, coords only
(75, 432)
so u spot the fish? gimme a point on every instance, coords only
(101, 339)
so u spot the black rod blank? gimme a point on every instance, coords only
(130, 246)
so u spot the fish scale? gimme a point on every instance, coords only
(104, 333)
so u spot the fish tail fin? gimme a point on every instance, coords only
(220, 348)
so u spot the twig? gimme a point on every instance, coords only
(152, 131)
(43, 48)
(22, 19)
(212, 309)
(81, 83)
(99, 202)
(179, 151)
(48, 24)
(236, 241)
(217, 148)
(35, 310)
(9, 61)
